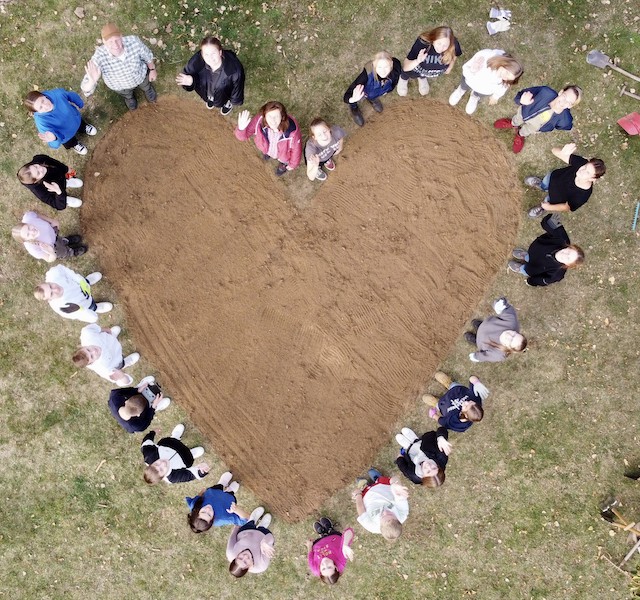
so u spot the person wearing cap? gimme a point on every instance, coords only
(125, 63)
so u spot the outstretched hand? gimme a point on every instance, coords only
(444, 445)
(47, 136)
(243, 120)
(358, 94)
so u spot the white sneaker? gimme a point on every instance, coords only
(90, 129)
(103, 307)
(127, 382)
(456, 96)
(164, 404)
(93, 278)
(131, 360)
(256, 515)
(74, 182)
(197, 452)
(225, 479)
(423, 86)
(149, 379)
(233, 487)
(472, 104)
(115, 330)
(177, 432)
(265, 521)
(80, 149)
(74, 202)
(403, 87)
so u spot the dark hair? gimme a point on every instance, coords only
(273, 105)
(197, 524)
(505, 350)
(24, 174)
(30, 98)
(434, 481)
(237, 571)
(317, 121)
(333, 578)
(474, 413)
(506, 61)
(80, 358)
(211, 40)
(599, 166)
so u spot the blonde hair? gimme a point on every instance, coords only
(25, 176)
(151, 475)
(391, 529)
(39, 292)
(16, 233)
(449, 55)
(506, 61)
(134, 406)
(379, 57)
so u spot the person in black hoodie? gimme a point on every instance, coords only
(217, 76)
(48, 179)
(549, 256)
(423, 460)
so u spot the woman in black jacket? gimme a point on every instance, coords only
(217, 76)
(423, 460)
(48, 179)
(549, 256)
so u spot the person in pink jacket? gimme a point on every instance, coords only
(275, 133)
(329, 553)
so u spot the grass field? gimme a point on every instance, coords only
(519, 515)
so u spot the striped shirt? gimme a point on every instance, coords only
(124, 72)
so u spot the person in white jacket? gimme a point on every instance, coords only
(489, 73)
(69, 294)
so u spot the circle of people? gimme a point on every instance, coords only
(126, 64)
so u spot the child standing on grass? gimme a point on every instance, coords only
(433, 54)
(48, 179)
(381, 504)
(250, 547)
(324, 143)
(423, 460)
(328, 555)
(461, 406)
(489, 74)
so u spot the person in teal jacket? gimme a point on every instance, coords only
(58, 119)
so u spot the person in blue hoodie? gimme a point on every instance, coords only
(379, 77)
(461, 406)
(541, 109)
(58, 119)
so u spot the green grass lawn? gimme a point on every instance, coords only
(519, 515)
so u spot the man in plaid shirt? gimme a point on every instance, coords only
(124, 63)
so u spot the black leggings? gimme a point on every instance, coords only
(74, 140)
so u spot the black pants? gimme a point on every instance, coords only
(74, 140)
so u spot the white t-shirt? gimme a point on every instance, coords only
(111, 356)
(47, 234)
(379, 498)
(486, 81)
(76, 291)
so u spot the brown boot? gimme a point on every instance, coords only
(430, 400)
(443, 379)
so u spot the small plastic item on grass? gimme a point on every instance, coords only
(494, 27)
(630, 123)
(499, 13)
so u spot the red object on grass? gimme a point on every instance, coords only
(503, 124)
(518, 143)
(630, 123)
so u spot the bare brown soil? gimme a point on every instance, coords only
(297, 332)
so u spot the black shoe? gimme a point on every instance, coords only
(377, 105)
(226, 109)
(265, 157)
(320, 530)
(476, 323)
(73, 240)
(326, 524)
(79, 250)
(131, 103)
(281, 170)
(356, 115)
(470, 337)
(210, 104)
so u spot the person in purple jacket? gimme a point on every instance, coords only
(58, 119)
(461, 406)
(541, 109)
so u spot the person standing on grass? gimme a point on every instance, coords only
(251, 546)
(170, 460)
(328, 554)
(488, 74)
(39, 235)
(325, 141)
(69, 294)
(217, 76)
(497, 336)
(101, 352)
(549, 256)
(275, 133)
(541, 109)
(124, 63)
(379, 77)
(216, 506)
(381, 504)
(461, 406)
(58, 119)
(132, 410)
(424, 459)
(433, 54)
(48, 179)
(567, 188)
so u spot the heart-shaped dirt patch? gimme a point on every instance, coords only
(296, 338)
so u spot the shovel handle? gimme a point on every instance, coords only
(616, 68)
(631, 552)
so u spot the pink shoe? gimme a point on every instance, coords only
(432, 412)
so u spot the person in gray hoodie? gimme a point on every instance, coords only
(498, 335)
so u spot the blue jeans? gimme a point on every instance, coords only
(544, 185)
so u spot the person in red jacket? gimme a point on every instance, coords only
(275, 133)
